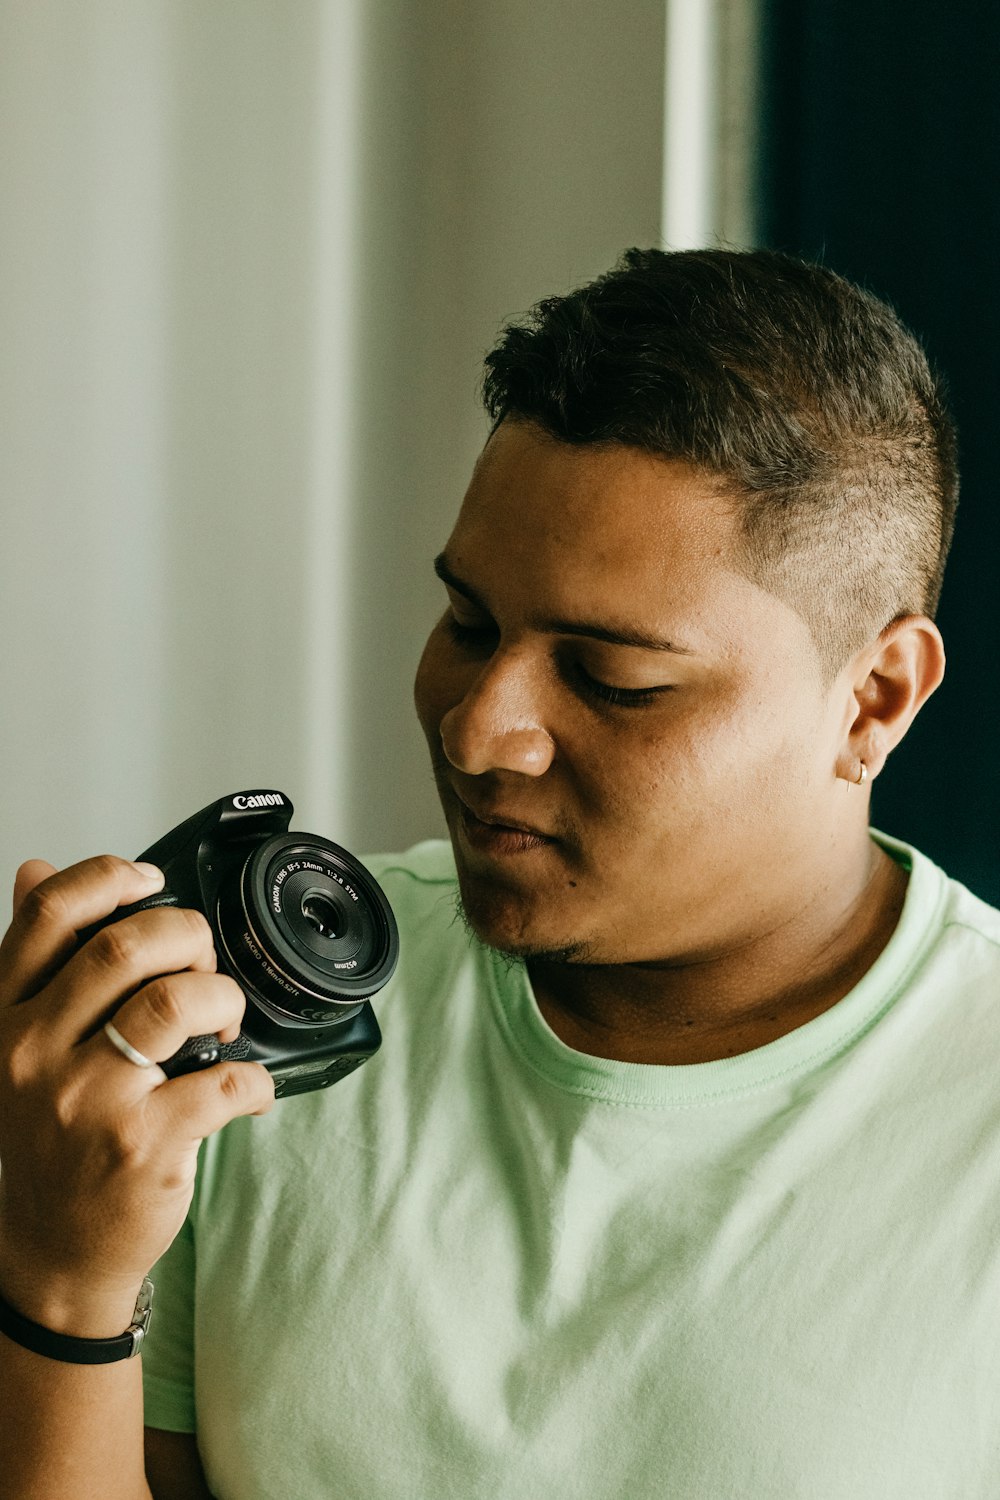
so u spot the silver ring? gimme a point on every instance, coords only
(126, 1049)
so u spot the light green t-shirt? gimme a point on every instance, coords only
(486, 1266)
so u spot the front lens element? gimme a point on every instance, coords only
(322, 915)
(308, 928)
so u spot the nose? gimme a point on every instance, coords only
(498, 724)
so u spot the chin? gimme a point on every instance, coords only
(513, 927)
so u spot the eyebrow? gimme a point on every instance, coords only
(622, 635)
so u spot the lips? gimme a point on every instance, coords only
(505, 821)
(497, 833)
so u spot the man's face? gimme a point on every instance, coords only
(609, 798)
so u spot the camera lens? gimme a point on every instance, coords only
(307, 928)
(321, 913)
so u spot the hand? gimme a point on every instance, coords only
(97, 1155)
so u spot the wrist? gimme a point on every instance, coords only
(66, 1302)
(73, 1350)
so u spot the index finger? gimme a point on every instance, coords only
(29, 875)
(44, 931)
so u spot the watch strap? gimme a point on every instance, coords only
(76, 1351)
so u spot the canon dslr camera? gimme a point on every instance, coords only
(298, 922)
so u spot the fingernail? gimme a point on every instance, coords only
(149, 871)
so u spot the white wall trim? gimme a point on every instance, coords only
(710, 122)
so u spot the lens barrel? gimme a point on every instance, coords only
(307, 929)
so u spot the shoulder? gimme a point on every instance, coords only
(421, 885)
(945, 919)
(427, 866)
(968, 914)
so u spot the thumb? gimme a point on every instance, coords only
(31, 873)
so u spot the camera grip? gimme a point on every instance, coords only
(161, 898)
(202, 1051)
(198, 1051)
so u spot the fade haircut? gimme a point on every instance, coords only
(805, 398)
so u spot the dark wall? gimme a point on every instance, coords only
(880, 157)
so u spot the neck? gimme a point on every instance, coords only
(737, 999)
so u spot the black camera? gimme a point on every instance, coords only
(299, 923)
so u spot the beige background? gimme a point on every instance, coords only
(252, 255)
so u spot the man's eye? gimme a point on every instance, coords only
(468, 635)
(624, 697)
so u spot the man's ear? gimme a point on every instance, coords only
(891, 681)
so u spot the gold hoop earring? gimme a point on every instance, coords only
(862, 776)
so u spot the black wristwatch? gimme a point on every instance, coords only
(74, 1351)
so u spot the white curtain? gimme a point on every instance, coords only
(252, 253)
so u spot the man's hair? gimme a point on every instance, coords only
(801, 393)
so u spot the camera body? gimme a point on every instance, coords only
(298, 922)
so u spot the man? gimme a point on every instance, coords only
(676, 1174)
